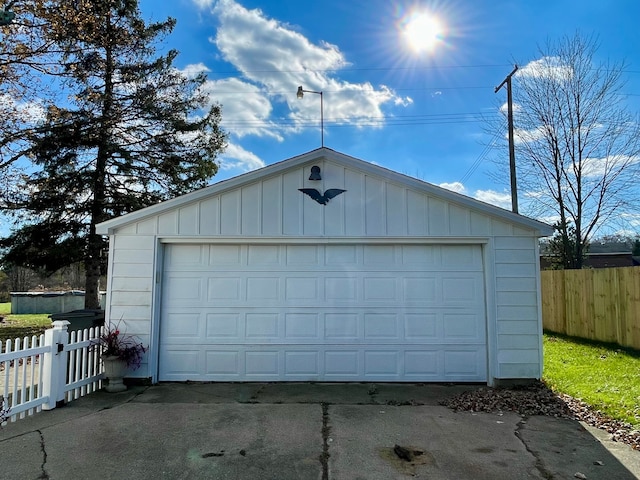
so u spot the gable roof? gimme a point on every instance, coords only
(325, 153)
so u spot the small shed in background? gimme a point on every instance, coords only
(48, 302)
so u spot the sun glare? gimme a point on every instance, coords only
(423, 32)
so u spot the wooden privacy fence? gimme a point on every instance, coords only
(597, 304)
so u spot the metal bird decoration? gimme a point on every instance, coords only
(320, 198)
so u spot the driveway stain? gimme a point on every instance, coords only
(406, 459)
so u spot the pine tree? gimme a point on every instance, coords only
(135, 131)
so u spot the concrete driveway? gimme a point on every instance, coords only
(299, 431)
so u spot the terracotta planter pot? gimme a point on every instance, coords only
(114, 370)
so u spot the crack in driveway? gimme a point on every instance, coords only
(539, 462)
(326, 429)
(44, 475)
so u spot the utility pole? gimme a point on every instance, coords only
(512, 152)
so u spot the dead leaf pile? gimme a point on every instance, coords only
(537, 399)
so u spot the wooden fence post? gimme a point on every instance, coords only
(55, 364)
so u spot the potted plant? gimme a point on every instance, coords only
(119, 353)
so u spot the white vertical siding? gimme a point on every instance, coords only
(188, 220)
(396, 206)
(416, 213)
(334, 218)
(354, 220)
(437, 218)
(147, 227)
(292, 211)
(375, 211)
(480, 224)
(459, 221)
(230, 212)
(372, 206)
(250, 214)
(271, 212)
(168, 223)
(209, 217)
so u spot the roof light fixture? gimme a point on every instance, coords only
(300, 94)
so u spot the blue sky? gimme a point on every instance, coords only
(418, 113)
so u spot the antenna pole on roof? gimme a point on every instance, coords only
(300, 94)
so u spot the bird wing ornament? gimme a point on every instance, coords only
(319, 197)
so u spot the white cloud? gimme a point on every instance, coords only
(245, 108)
(273, 59)
(515, 107)
(273, 55)
(598, 167)
(534, 195)
(264, 49)
(195, 69)
(236, 157)
(454, 187)
(633, 219)
(499, 199)
(32, 112)
(27, 112)
(521, 136)
(203, 4)
(550, 219)
(546, 67)
(403, 101)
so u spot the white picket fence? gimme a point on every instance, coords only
(44, 372)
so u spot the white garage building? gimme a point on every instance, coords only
(376, 277)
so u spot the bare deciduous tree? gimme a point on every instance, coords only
(577, 143)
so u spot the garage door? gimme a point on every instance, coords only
(347, 312)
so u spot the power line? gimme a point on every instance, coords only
(425, 116)
(344, 122)
(424, 89)
(487, 148)
(363, 69)
(372, 69)
(421, 89)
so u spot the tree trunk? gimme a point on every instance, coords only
(93, 255)
(92, 267)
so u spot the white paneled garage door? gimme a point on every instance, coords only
(330, 312)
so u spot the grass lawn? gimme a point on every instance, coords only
(17, 326)
(606, 377)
